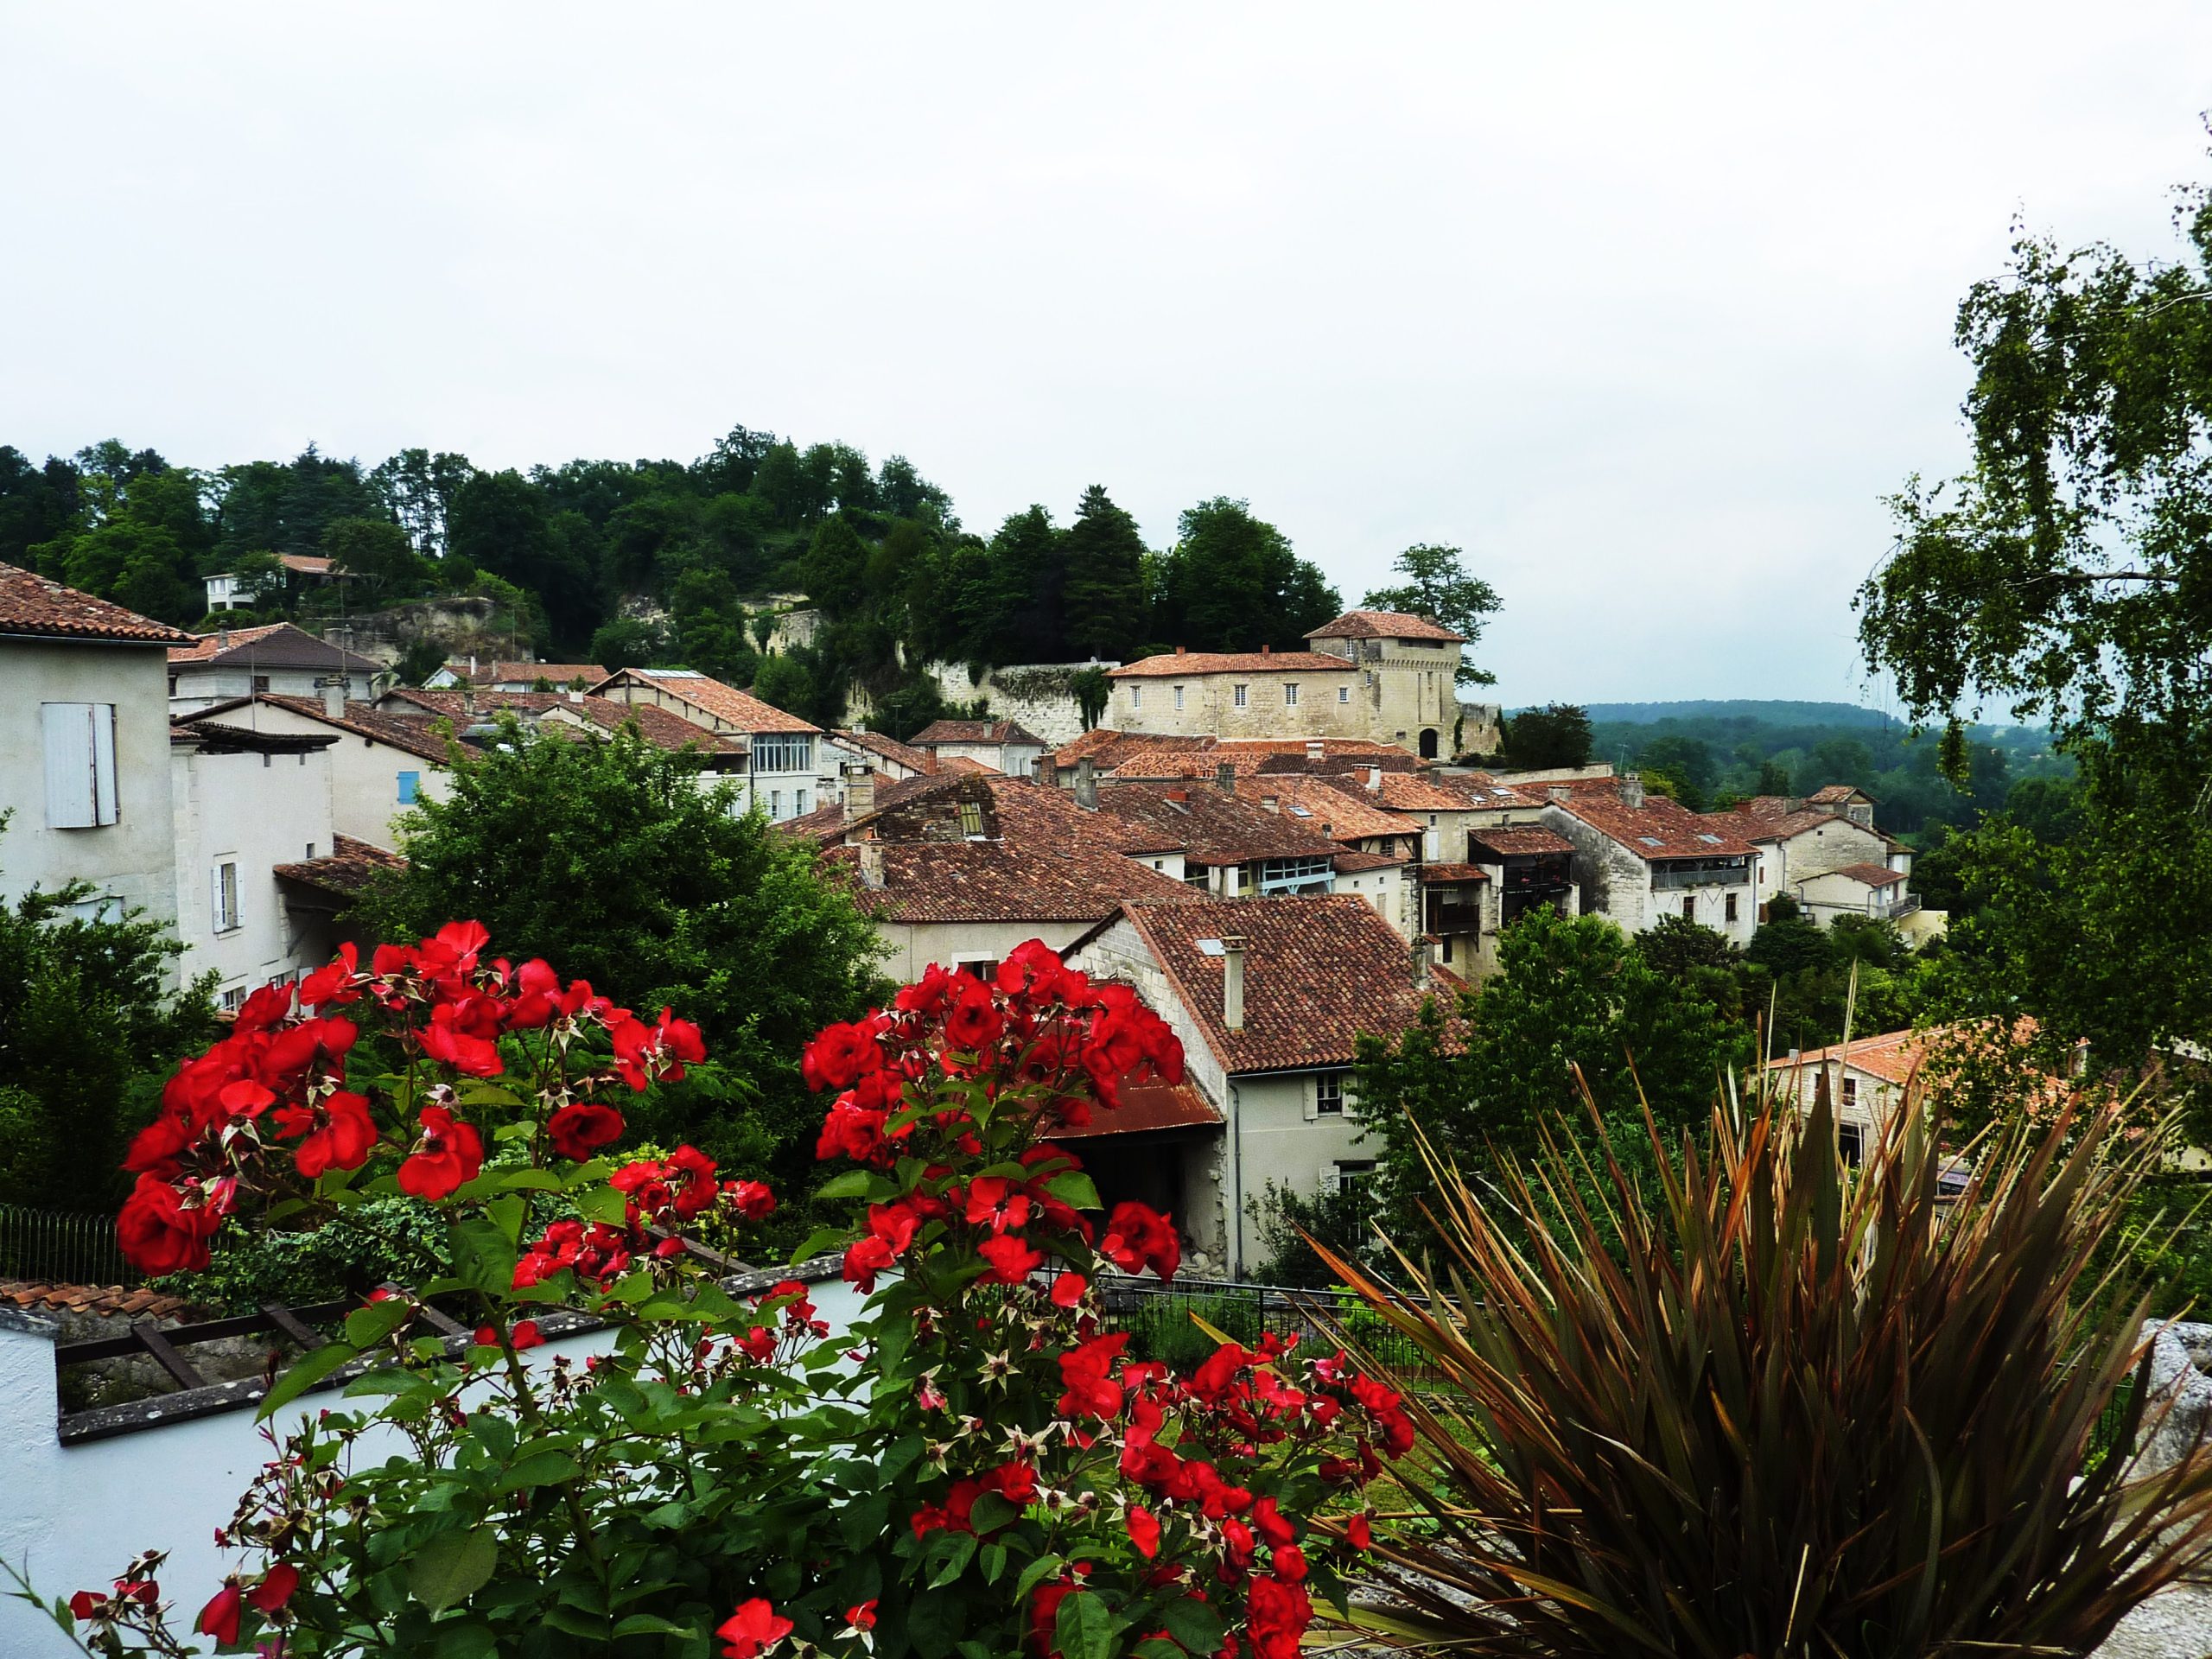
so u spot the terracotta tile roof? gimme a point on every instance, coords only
(724, 703)
(1352, 861)
(348, 869)
(1521, 841)
(1148, 1106)
(1386, 624)
(1872, 875)
(214, 735)
(529, 673)
(1892, 1055)
(1098, 744)
(1837, 792)
(890, 749)
(1451, 874)
(975, 731)
(1318, 971)
(1402, 791)
(1004, 881)
(447, 702)
(1661, 828)
(966, 763)
(562, 712)
(1143, 754)
(662, 728)
(98, 1301)
(1487, 791)
(1169, 665)
(416, 735)
(307, 564)
(278, 644)
(29, 604)
(1013, 810)
(1323, 805)
(828, 823)
(1211, 827)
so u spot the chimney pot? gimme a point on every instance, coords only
(860, 798)
(1314, 750)
(1232, 984)
(333, 695)
(871, 865)
(222, 638)
(1375, 778)
(1086, 785)
(1558, 794)
(471, 664)
(1423, 947)
(1270, 803)
(1182, 650)
(575, 696)
(1632, 790)
(1267, 650)
(1179, 794)
(1225, 778)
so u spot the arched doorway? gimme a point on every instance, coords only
(1428, 742)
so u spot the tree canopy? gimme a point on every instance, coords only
(1434, 582)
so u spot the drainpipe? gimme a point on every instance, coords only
(1236, 1172)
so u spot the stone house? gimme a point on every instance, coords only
(279, 658)
(1638, 857)
(1234, 849)
(891, 760)
(515, 676)
(1796, 838)
(1380, 860)
(84, 775)
(789, 769)
(1001, 745)
(475, 715)
(1268, 998)
(1874, 892)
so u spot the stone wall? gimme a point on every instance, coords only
(460, 625)
(1037, 696)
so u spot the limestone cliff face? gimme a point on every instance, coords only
(460, 625)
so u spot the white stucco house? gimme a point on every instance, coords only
(279, 659)
(1832, 829)
(1268, 996)
(247, 803)
(84, 775)
(789, 771)
(1001, 745)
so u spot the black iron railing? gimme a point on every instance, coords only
(1173, 1322)
(61, 1246)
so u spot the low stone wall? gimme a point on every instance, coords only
(1037, 696)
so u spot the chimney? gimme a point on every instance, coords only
(1232, 984)
(1375, 778)
(222, 638)
(1182, 650)
(1267, 650)
(1040, 770)
(1423, 947)
(471, 664)
(333, 688)
(1270, 803)
(871, 865)
(1313, 750)
(1558, 794)
(575, 696)
(860, 795)
(1086, 785)
(1179, 794)
(468, 701)
(1632, 790)
(1224, 778)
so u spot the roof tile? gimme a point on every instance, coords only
(30, 604)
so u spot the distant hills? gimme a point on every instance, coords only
(1766, 711)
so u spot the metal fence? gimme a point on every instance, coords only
(59, 1247)
(1163, 1320)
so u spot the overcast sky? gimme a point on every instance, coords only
(1646, 308)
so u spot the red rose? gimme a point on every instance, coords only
(526, 1335)
(1276, 1613)
(973, 1022)
(220, 1618)
(447, 1157)
(581, 1127)
(1144, 1530)
(751, 1199)
(1068, 1289)
(751, 1630)
(1012, 1260)
(160, 1233)
(996, 1203)
(275, 1587)
(340, 1133)
(837, 1055)
(1137, 1237)
(1360, 1532)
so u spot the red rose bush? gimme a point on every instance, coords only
(975, 1465)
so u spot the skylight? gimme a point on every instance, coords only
(1710, 840)
(1649, 841)
(1212, 948)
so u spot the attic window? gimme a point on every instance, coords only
(1300, 812)
(971, 819)
(1212, 948)
(1649, 841)
(1710, 840)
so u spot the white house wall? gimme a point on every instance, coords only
(364, 773)
(234, 808)
(197, 688)
(132, 860)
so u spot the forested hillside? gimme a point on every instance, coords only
(670, 561)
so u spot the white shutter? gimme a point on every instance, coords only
(1305, 1100)
(1332, 1180)
(71, 799)
(105, 807)
(215, 899)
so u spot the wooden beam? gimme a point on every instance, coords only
(150, 1337)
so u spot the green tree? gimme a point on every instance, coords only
(420, 658)
(2064, 576)
(613, 860)
(89, 1026)
(1435, 583)
(1570, 991)
(1557, 735)
(626, 642)
(378, 554)
(1232, 583)
(1105, 578)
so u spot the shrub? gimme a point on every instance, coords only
(973, 1465)
(1788, 1411)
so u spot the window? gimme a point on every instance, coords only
(1136, 696)
(410, 785)
(310, 849)
(983, 968)
(225, 908)
(1290, 694)
(1447, 947)
(1179, 696)
(172, 685)
(1689, 907)
(798, 803)
(1316, 873)
(1851, 1140)
(775, 802)
(1243, 695)
(80, 744)
(261, 682)
(783, 752)
(1728, 901)
(1347, 1174)
(1329, 1095)
(1344, 694)
(105, 908)
(1851, 1091)
(234, 999)
(971, 819)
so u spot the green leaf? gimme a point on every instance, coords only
(307, 1371)
(819, 1240)
(483, 1253)
(992, 1559)
(649, 1624)
(853, 1183)
(455, 1566)
(507, 1214)
(1075, 1189)
(603, 1204)
(862, 1521)
(958, 1549)
(992, 1511)
(366, 1327)
(934, 1622)
(1194, 1623)
(541, 1469)
(1037, 1571)
(1084, 1629)
(473, 1640)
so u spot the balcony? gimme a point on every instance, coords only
(1700, 873)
